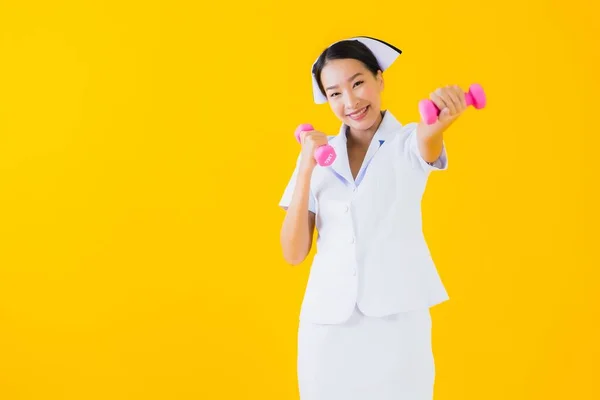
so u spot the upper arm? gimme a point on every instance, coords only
(311, 228)
(288, 192)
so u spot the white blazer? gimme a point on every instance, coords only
(371, 251)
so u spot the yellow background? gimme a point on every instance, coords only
(144, 147)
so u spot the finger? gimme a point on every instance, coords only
(438, 101)
(461, 96)
(448, 97)
(444, 115)
(319, 138)
(304, 135)
(445, 100)
(457, 98)
(453, 99)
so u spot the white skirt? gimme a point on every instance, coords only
(367, 358)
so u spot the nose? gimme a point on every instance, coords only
(351, 102)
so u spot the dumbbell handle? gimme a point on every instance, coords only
(474, 97)
(324, 155)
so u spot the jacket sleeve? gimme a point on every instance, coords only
(411, 151)
(288, 192)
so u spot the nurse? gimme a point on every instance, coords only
(365, 326)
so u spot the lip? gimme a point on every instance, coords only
(361, 116)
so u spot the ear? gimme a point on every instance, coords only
(380, 80)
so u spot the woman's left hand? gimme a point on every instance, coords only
(451, 102)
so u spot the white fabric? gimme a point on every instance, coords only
(365, 328)
(371, 251)
(367, 358)
(291, 186)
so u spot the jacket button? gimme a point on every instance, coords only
(346, 208)
(351, 240)
(354, 272)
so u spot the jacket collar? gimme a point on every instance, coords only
(341, 166)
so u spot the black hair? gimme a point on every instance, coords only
(342, 50)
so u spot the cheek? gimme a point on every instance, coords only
(370, 93)
(338, 108)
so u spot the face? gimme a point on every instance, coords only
(353, 92)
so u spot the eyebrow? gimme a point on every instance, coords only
(349, 79)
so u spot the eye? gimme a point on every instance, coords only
(358, 83)
(333, 94)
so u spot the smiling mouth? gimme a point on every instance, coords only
(359, 112)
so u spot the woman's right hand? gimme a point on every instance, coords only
(310, 141)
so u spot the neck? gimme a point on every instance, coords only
(363, 137)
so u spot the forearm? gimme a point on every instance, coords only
(296, 232)
(430, 139)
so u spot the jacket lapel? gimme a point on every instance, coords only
(341, 166)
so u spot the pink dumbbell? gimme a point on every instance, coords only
(324, 155)
(429, 111)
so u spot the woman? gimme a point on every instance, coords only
(365, 327)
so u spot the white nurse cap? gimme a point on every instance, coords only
(385, 54)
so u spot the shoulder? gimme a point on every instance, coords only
(392, 128)
(407, 129)
(401, 135)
